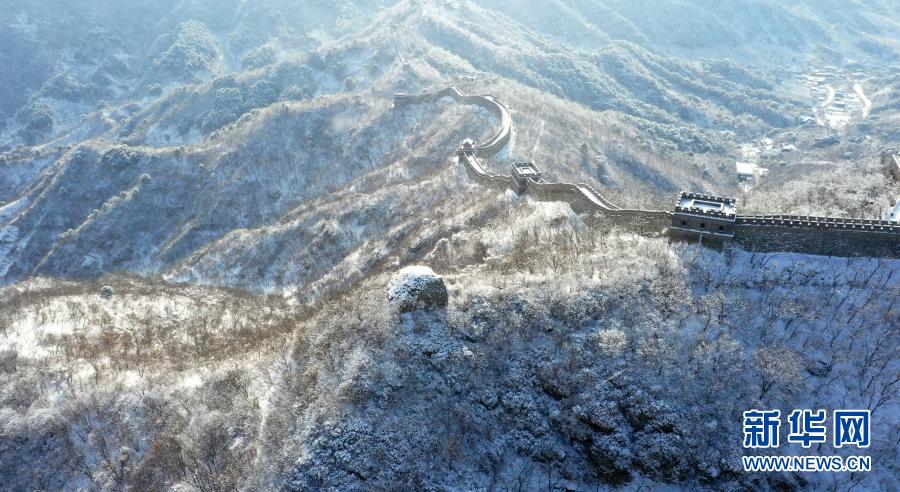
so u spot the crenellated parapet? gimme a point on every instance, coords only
(706, 205)
(812, 222)
(713, 220)
(827, 236)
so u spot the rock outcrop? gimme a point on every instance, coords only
(417, 287)
(106, 292)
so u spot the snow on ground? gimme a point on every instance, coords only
(9, 210)
(861, 95)
(523, 358)
(37, 333)
(170, 137)
(704, 335)
(9, 236)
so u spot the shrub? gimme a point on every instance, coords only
(610, 342)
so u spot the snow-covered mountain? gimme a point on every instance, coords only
(201, 203)
(242, 139)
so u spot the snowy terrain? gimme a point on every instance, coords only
(609, 359)
(209, 210)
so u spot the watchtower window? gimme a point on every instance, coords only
(721, 228)
(703, 225)
(684, 222)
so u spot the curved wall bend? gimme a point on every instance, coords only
(810, 235)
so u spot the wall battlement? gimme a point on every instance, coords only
(711, 198)
(810, 222)
(707, 219)
(705, 213)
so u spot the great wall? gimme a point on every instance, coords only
(707, 219)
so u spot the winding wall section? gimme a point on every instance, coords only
(581, 197)
(812, 235)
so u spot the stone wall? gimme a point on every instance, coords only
(491, 103)
(562, 192)
(818, 235)
(802, 234)
(643, 221)
(598, 213)
(486, 178)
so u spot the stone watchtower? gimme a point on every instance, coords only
(522, 172)
(704, 218)
(402, 100)
(467, 146)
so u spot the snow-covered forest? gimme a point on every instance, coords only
(563, 359)
(205, 204)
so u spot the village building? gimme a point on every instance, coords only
(748, 172)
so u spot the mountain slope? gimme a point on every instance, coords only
(203, 202)
(254, 146)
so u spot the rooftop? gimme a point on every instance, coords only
(526, 169)
(706, 204)
(749, 168)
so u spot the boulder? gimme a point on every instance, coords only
(106, 292)
(417, 287)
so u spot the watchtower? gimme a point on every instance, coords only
(466, 147)
(466, 151)
(704, 218)
(401, 99)
(522, 172)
